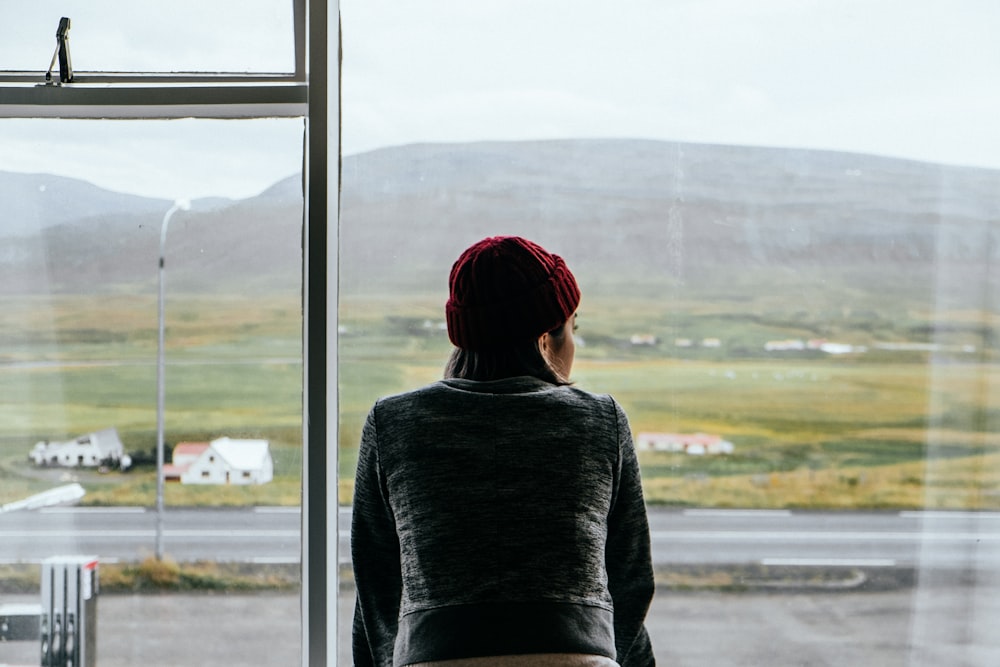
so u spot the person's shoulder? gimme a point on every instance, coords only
(428, 391)
(582, 396)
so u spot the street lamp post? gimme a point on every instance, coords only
(160, 381)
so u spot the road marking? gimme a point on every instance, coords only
(742, 513)
(73, 535)
(806, 536)
(275, 560)
(232, 533)
(937, 514)
(830, 562)
(277, 510)
(92, 510)
(291, 510)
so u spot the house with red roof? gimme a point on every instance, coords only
(696, 444)
(221, 461)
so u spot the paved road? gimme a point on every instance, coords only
(873, 539)
(928, 625)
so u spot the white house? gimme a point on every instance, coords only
(690, 443)
(221, 461)
(185, 453)
(92, 450)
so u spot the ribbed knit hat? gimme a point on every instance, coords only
(506, 289)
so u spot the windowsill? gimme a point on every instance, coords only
(224, 98)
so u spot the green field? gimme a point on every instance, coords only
(875, 430)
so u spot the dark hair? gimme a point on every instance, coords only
(510, 361)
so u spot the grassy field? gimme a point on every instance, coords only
(810, 430)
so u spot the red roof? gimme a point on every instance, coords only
(190, 448)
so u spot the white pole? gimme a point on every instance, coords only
(160, 381)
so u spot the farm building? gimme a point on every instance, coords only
(221, 461)
(101, 448)
(185, 453)
(689, 443)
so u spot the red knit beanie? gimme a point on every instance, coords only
(505, 290)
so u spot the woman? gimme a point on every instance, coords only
(498, 516)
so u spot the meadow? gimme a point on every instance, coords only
(811, 430)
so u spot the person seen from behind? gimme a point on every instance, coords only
(498, 514)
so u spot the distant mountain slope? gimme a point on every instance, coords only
(34, 202)
(627, 214)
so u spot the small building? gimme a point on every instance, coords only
(221, 461)
(643, 339)
(101, 448)
(791, 344)
(696, 444)
(185, 453)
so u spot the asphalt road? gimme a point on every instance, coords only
(945, 614)
(925, 625)
(929, 540)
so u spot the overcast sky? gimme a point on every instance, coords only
(907, 78)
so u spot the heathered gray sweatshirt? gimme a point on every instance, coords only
(499, 518)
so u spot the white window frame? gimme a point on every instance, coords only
(312, 91)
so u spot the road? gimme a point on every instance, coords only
(938, 620)
(926, 625)
(964, 540)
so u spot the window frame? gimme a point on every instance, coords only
(312, 92)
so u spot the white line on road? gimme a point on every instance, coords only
(935, 514)
(275, 560)
(830, 562)
(73, 535)
(92, 510)
(277, 510)
(105, 560)
(755, 513)
(808, 536)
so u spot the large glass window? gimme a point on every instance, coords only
(783, 217)
(182, 36)
(80, 278)
(163, 283)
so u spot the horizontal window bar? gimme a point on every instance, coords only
(154, 101)
(37, 77)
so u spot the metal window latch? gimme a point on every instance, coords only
(62, 53)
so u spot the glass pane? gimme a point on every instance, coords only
(784, 221)
(176, 36)
(88, 218)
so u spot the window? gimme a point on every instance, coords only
(234, 89)
(185, 36)
(783, 217)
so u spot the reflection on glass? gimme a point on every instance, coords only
(796, 322)
(176, 36)
(78, 408)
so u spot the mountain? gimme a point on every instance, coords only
(645, 216)
(37, 202)
(101, 241)
(630, 215)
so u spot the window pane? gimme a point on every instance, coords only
(79, 323)
(181, 36)
(783, 218)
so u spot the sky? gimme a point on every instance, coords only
(905, 78)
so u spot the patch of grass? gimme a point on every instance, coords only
(964, 483)
(152, 575)
(857, 429)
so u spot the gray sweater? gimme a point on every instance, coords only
(499, 518)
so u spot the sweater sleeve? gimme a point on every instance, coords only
(628, 556)
(375, 556)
